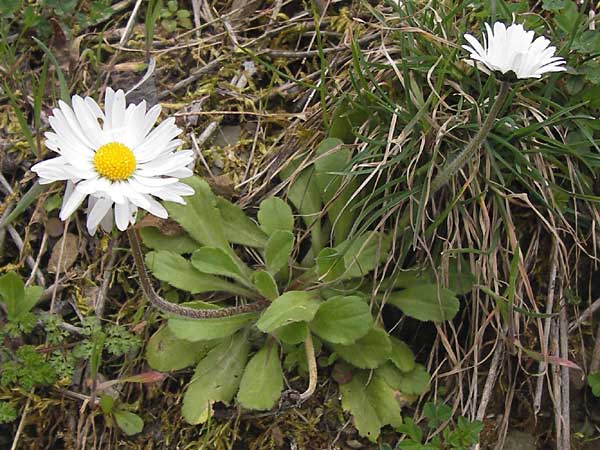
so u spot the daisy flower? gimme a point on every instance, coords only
(117, 158)
(513, 49)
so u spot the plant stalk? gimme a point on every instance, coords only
(457, 163)
(172, 308)
(312, 368)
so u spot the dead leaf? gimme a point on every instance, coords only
(69, 253)
(54, 227)
(222, 185)
(167, 227)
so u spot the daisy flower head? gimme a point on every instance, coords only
(116, 158)
(513, 49)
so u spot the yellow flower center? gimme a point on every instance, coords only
(114, 161)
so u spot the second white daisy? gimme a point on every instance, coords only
(120, 164)
(514, 49)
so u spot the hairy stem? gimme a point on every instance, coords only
(312, 368)
(457, 163)
(172, 308)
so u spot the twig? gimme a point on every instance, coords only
(564, 375)
(28, 259)
(490, 381)
(21, 422)
(537, 401)
(585, 315)
(106, 276)
(59, 265)
(34, 269)
(194, 75)
(595, 363)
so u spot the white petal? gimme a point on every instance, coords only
(156, 209)
(122, 216)
(72, 203)
(88, 121)
(97, 212)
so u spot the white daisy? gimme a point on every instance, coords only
(122, 161)
(513, 49)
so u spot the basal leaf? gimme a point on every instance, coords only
(342, 320)
(216, 261)
(200, 216)
(265, 284)
(238, 227)
(166, 352)
(216, 378)
(303, 193)
(179, 272)
(293, 306)
(262, 381)
(328, 168)
(402, 356)
(275, 215)
(129, 422)
(426, 302)
(364, 253)
(292, 334)
(279, 250)
(368, 352)
(330, 265)
(12, 292)
(357, 401)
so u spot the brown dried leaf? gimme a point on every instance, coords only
(69, 253)
(54, 227)
(168, 227)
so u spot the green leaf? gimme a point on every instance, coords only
(32, 295)
(426, 302)
(364, 253)
(356, 400)
(179, 272)
(238, 227)
(385, 402)
(330, 265)
(594, 383)
(215, 261)
(303, 193)
(436, 414)
(200, 217)
(279, 250)
(372, 403)
(129, 422)
(12, 291)
(327, 168)
(342, 320)
(166, 352)
(208, 329)
(402, 356)
(368, 352)
(293, 306)
(265, 284)
(274, 214)
(181, 243)
(216, 378)
(262, 381)
(415, 382)
(106, 404)
(292, 334)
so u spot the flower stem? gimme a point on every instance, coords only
(457, 163)
(312, 368)
(173, 308)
